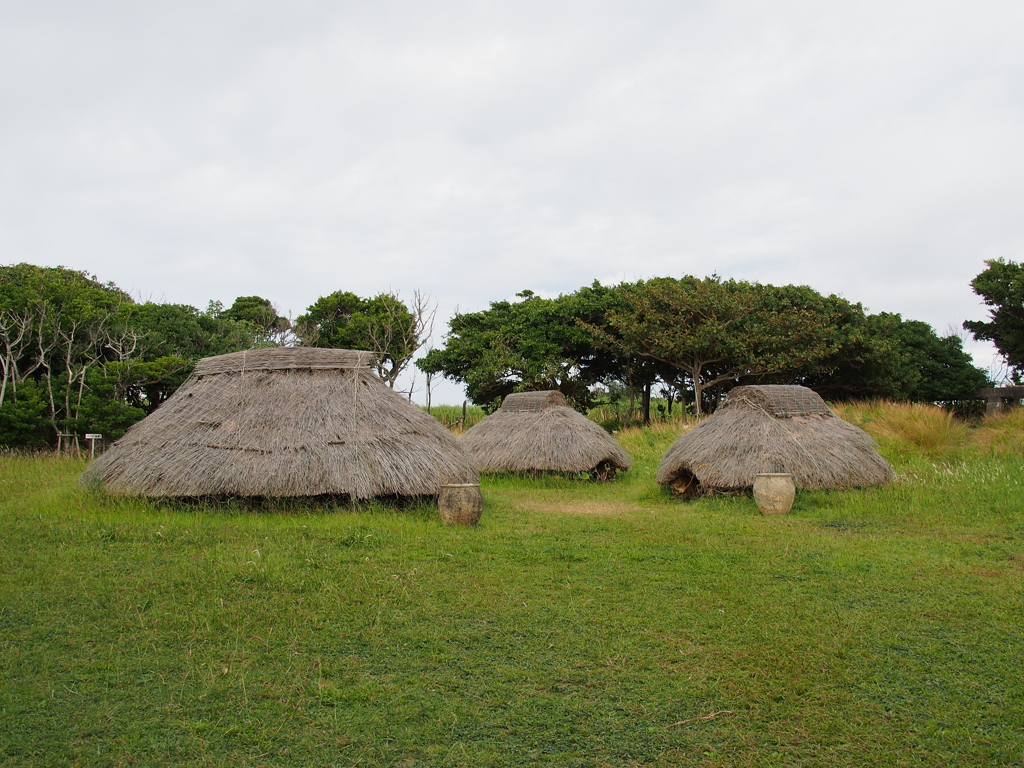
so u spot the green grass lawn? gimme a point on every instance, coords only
(578, 625)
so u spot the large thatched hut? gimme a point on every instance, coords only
(538, 431)
(772, 428)
(284, 422)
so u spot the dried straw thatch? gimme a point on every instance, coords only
(772, 428)
(284, 422)
(537, 431)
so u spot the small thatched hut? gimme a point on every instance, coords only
(772, 428)
(538, 431)
(284, 422)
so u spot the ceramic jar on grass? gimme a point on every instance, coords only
(774, 492)
(460, 503)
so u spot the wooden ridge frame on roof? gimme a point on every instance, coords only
(285, 358)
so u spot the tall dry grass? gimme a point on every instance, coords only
(1001, 435)
(934, 430)
(928, 428)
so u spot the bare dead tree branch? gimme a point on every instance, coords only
(402, 330)
(15, 336)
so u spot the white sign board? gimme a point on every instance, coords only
(93, 436)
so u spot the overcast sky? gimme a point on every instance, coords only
(192, 151)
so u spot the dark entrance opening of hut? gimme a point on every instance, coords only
(685, 484)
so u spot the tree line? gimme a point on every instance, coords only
(78, 355)
(692, 339)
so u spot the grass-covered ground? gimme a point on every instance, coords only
(577, 625)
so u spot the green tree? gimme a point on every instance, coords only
(24, 421)
(56, 324)
(945, 371)
(526, 345)
(181, 330)
(337, 320)
(887, 357)
(720, 331)
(611, 362)
(1001, 287)
(165, 342)
(105, 408)
(865, 363)
(384, 325)
(268, 327)
(97, 359)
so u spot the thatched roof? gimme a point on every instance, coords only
(538, 431)
(284, 422)
(773, 428)
(532, 402)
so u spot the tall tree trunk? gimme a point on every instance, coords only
(646, 403)
(52, 401)
(81, 391)
(3, 387)
(698, 394)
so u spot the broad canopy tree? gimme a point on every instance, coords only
(718, 331)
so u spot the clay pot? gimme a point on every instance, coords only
(774, 492)
(460, 503)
